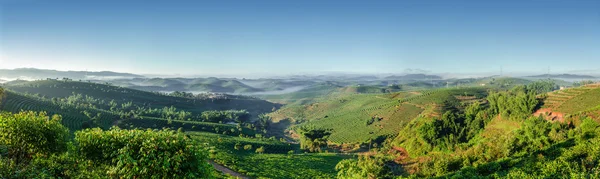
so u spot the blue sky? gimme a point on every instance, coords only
(284, 37)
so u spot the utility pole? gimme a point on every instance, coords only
(548, 74)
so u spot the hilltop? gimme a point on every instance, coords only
(34, 74)
(215, 85)
(121, 95)
(562, 76)
(413, 77)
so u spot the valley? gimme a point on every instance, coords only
(378, 123)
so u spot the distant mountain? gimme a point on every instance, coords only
(34, 74)
(186, 84)
(564, 76)
(413, 77)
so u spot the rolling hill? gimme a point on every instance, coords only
(121, 95)
(413, 77)
(33, 73)
(196, 85)
(356, 118)
(562, 76)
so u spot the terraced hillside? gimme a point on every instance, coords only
(575, 99)
(64, 89)
(304, 96)
(72, 117)
(357, 118)
(572, 101)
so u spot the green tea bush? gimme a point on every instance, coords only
(28, 133)
(144, 153)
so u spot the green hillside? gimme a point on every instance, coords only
(186, 84)
(73, 117)
(279, 160)
(356, 118)
(573, 100)
(106, 93)
(303, 96)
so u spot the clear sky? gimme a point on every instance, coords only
(283, 37)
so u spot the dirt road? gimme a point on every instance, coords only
(226, 170)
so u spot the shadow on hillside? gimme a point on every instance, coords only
(279, 129)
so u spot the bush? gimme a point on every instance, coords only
(248, 147)
(29, 133)
(260, 150)
(144, 153)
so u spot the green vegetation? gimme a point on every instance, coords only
(313, 139)
(73, 117)
(102, 95)
(586, 100)
(36, 146)
(278, 160)
(303, 96)
(239, 116)
(498, 139)
(351, 132)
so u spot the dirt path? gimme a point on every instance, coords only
(226, 170)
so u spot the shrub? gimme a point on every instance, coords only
(28, 133)
(248, 147)
(144, 153)
(260, 150)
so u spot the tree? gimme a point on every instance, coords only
(263, 121)
(313, 139)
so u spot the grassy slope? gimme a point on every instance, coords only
(53, 88)
(348, 114)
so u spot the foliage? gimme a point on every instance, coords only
(143, 153)
(454, 127)
(226, 116)
(276, 162)
(364, 167)
(517, 103)
(37, 146)
(29, 133)
(313, 139)
(542, 86)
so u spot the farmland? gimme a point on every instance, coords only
(276, 162)
(349, 114)
(574, 100)
(73, 118)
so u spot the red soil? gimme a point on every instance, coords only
(550, 115)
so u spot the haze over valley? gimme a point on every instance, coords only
(299, 89)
